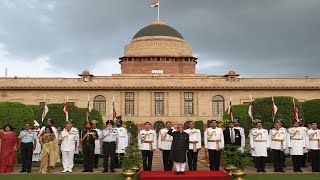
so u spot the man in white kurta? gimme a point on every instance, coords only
(37, 150)
(164, 144)
(147, 141)
(313, 145)
(214, 143)
(194, 145)
(69, 140)
(296, 144)
(122, 142)
(259, 143)
(97, 147)
(278, 143)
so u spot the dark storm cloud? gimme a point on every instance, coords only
(257, 38)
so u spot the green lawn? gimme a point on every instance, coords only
(119, 177)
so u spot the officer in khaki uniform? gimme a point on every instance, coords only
(214, 143)
(278, 143)
(164, 143)
(88, 137)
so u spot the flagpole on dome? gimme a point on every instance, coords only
(158, 10)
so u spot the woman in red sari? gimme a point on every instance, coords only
(8, 147)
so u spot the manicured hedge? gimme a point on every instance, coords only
(311, 111)
(15, 114)
(241, 112)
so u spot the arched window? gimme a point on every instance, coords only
(218, 106)
(99, 104)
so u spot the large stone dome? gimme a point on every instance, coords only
(158, 28)
(158, 40)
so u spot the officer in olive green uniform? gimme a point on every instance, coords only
(88, 137)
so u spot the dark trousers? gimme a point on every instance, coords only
(26, 156)
(96, 160)
(304, 159)
(119, 157)
(109, 149)
(167, 164)
(260, 163)
(214, 159)
(297, 162)
(88, 156)
(147, 159)
(278, 159)
(315, 160)
(192, 159)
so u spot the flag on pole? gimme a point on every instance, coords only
(114, 113)
(274, 109)
(251, 110)
(295, 111)
(155, 4)
(230, 110)
(66, 110)
(88, 108)
(45, 111)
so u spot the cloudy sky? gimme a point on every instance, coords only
(256, 38)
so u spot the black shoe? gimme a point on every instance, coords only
(177, 173)
(85, 170)
(281, 171)
(113, 171)
(90, 171)
(304, 166)
(104, 171)
(29, 171)
(258, 170)
(183, 173)
(317, 170)
(263, 170)
(23, 171)
(300, 170)
(96, 167)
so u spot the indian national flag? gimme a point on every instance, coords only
(155, 4)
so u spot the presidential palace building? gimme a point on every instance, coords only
(157, 83)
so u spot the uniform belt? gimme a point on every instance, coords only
(217, 143)
(110, 142)
(192, 142)
(167, 141)
(281, 141)
(26, 142)
(259, 140)
(194, 145)
(298, 139)
(314, 140)
(150, 144)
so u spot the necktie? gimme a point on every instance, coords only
(232, 136)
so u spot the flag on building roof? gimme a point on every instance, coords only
(155, 4)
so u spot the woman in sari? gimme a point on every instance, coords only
(8, 148)
(49, 155)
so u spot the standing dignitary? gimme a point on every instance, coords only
(278, 143)
(242, 134)
(122, 142)
(69, 143)
(27, 143)
(164, 143)
(88, 137)
(180, 146)
(313, 145)
(214, 143)
(194, 145)
(37, 150)
(259, 143)
(50, 123)
(296, 144)
(109, 141)
(147, 141)
(232, 135)
(97, 146)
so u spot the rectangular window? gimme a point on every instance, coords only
(159, 103)
(129, 102)
(188, 103)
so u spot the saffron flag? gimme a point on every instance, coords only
(88, 108)
(274, 109)
(155, 4)
(295, 111)
(44, 112)
(66, 110)
(250, 110)
(230, 110)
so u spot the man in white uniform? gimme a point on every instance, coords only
(37, 150)
(147, 141)
(164, 143)
(259, 143)
(214, 143)
(194, 145)
(296, 145)
(313, 145)
(278, 143)
(122, 142)
(97, 147)
(69, 140)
